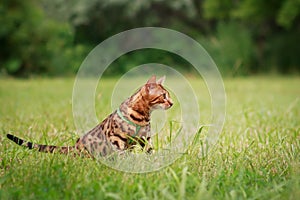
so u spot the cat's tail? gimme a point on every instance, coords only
(41, 147)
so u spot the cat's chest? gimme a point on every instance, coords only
(121, 126)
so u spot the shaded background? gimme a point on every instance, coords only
(244, 37)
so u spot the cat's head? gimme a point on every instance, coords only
(158, 97)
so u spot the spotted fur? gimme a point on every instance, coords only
(123, 129)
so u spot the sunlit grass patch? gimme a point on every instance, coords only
(257, 155)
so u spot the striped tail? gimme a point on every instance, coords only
(40, 147)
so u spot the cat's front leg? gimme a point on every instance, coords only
(144, 143)
(148, 145)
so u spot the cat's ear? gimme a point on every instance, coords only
(161, 80)
(152, 80)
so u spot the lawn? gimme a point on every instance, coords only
(257, 155)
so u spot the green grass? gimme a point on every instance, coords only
(256, 157)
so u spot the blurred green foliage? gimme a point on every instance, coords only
(243, 37)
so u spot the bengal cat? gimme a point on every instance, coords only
(126, 127)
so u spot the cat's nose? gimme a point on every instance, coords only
(171, 103)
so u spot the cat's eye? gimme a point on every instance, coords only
(164, 95)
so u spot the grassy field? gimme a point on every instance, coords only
(256, 157)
